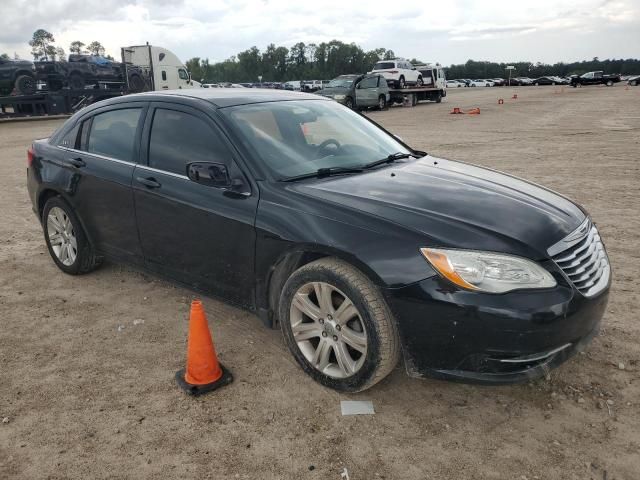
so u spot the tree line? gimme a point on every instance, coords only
(474, 69)
(327, 60)
(43, 48)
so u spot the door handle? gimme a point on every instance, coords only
(149, 182)
(76, 162)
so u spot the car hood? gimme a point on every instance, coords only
(457, 205)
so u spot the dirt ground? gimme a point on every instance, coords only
(87, 363)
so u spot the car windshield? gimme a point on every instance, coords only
(384, 65)
(294, 138)
(341, 82)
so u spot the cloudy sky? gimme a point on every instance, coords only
(447, 31)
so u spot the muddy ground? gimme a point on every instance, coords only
(87, 363)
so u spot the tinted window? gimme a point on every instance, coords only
(70, 138)
(113, 133)
(178, 138)
(164, 75)
(384, 65)
(369, 82)
(183, 74)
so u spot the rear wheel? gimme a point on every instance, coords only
(76, 82)
(382, 102)
(420, 82)
(633, 83)
(337, 325)
(66, 241)
(609, 83)
(136, 83)
(26, 85)
(400, 83)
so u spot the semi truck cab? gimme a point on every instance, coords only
(155, 68)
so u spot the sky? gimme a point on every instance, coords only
(447, 31)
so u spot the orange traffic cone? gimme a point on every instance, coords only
(515, 96)
(203, 373)
(500, 101)
(456, 110)
(474, 111)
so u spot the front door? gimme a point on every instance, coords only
(199, 234)
(366, 92)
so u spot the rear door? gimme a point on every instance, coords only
(104, 159)
(199, 234)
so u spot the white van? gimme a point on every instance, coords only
(154, 68)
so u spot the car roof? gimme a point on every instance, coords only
(226, 97)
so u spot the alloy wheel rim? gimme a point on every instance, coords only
(62, 237)
(328, 329)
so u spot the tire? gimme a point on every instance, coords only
(76, 82)
(136, 83)
(609, 83)
(401, 83)
(26, 85)
(85, 259)
(420, 81)
(553, 83)
(633, 83)
(382, 103)
(370, 324)
(438, 98)
(536, 84)
(349, 103)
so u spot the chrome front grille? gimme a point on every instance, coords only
(583, 259)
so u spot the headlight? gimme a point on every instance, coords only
(488, 272)
(339, 97)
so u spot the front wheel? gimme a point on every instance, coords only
(66, 241)
(609, 83)
(349, 102)
(338, 326)
(420, 82)
(400, 83)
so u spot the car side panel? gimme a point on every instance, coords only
(287, 223)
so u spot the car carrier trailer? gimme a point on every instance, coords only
(62, 102)
(411, 96)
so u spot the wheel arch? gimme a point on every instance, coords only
(289, 262)
(47, 193)
(23, 72)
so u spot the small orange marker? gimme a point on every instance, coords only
(203, 373)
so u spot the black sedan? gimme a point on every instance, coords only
(361, 248)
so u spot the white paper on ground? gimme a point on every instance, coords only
(357, 407)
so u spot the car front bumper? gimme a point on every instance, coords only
(450, 333)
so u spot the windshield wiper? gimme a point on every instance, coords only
(324, 172)
(391, 158)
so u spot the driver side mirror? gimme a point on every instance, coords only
(209, 174)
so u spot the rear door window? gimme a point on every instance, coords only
(384, 65)
(70, 139)
(178, 138)
(113, 133)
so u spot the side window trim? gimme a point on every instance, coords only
(237, 164)
(88, 121)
